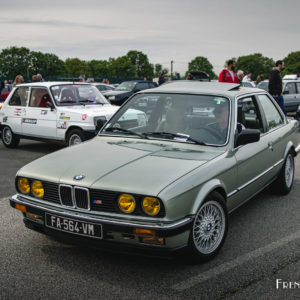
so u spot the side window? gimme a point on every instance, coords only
(152, 85)
(290, 88)
(19, 97)
(39, 97)
(298, 87)
(248, 114)
(142, 86)
(273, 117)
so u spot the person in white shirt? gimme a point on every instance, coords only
(247, 77)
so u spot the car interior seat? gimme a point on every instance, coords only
(66, 95)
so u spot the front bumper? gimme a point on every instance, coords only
(172, 235)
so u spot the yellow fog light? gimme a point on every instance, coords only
(20, 207)
(23, 185)
(37, 189)
(144, 232)
(126, 203)
(151, 206)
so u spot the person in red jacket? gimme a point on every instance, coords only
(228, 74)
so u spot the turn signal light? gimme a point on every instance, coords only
(20, 207)
(144, 232)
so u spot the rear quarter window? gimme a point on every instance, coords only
(20, 96)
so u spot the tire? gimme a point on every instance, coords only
(284, 183)
(9, 139)
(209, 229)
(75, 137)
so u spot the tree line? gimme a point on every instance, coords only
(133, 65)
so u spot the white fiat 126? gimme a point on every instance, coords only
(62, 111)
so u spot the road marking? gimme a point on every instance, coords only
(192, 281)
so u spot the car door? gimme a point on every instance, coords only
(290, 97)
(253, 160)
(298, 92)
(16, 108)
(39, 120)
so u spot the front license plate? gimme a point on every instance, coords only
(74, 226)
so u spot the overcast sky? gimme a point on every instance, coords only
(165, 30)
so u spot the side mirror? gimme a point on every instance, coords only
(286, 92)
(100, 124)
(247, 136)
(50, 105)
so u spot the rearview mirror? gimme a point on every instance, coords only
(247, 136)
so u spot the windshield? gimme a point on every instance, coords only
(263, 85)
(200, 119)
(77, 94)
(126, 86)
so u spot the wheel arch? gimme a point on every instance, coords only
(214, 185)
(289, 147)
(72, 127)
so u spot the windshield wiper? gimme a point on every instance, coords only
(127, 131)
(179, 136)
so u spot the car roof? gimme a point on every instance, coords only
(51, 83)
(203, 87)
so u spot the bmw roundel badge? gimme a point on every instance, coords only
(79, 177)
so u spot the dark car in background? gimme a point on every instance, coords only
(4, 93)
(103, 87)
(127, 89)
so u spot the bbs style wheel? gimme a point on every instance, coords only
(209, 228)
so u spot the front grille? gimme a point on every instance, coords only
(65, 195)
(103, 200)
(81, 196)
(51, 192)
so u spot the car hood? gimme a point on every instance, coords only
(127, 165)
(92, 110)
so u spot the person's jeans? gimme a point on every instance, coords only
(279, 100)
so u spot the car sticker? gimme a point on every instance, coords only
(219, 100)
(61, 125)
(17, 112)
(63, 117)
(84, 116)
(44, 112)
(29, 121)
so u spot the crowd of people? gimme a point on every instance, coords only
(275, 82)
(228, 75)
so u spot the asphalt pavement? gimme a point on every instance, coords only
(261, 254)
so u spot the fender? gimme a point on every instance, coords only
(288, 147)
(205, 190)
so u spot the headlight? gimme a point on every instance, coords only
(126, 203)
(23, 185)
(151, 206)
(37, 189)
(111, 97)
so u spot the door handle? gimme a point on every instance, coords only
(270, 146)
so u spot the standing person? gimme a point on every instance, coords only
(247, 77)
(240, 75)
(275, 84)
(39, 78)
(161, 79)
(228, 75)
(18, 80)
(34, 79)
(177, 77)
(260, 77)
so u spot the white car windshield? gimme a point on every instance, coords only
(77, 94)
(201, 119)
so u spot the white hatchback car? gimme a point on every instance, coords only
(62, 111)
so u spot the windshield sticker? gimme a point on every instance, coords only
(55, 88)
(44, 112)
(84, 116)
(219, 100)
(29, 121)
(61, 125)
